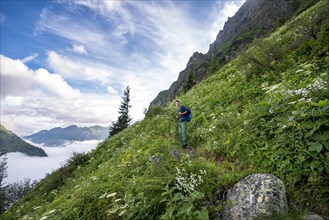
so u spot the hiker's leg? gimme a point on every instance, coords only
(184, 133)
(179, 131)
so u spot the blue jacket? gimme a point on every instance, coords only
(182, 109)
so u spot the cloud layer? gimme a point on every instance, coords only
(21, 166)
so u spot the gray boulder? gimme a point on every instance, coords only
(257, 195)
(313, 216)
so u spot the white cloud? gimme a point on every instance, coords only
(111, 90)
(12, 67)
(116, 13)
(18, 79)
(30, 58)
(80, 32)
(44, 100)
(13, 100)
(158, 35)
(79, 49)
(54, 84)
(77, 69)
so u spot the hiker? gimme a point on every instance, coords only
(182, 124)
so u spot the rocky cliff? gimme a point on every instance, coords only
(255, 18)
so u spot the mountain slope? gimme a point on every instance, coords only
(58, 136)
(254, 19)
(9, 142)
(264, 112)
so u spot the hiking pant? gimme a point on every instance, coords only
(182, 126)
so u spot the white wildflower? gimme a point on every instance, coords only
(111, 195)
(102, 196)
(272, 88)
(50, 212)
(122, 213)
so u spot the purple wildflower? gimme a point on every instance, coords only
(175, 153)
(155, 160)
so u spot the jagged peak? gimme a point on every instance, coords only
(195, 57)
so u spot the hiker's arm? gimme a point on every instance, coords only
(183, 113)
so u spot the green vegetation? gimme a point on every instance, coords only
(9, 142)
(189, 83)
(264, 112)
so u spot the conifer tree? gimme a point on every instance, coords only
(124, 119)
(3, 186)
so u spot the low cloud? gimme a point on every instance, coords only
(21, 166)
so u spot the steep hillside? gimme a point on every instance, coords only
(9, 142)
(58, 136)
(267, 111)
(254, 19)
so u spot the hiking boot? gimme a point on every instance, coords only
(191, 151)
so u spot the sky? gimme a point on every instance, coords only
(67, 62)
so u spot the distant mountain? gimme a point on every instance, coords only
(58, 136)
(9, 142)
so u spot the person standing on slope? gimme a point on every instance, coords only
(182, 123)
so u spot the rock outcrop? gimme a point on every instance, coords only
(257, 195)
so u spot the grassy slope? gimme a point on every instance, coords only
(267, 111)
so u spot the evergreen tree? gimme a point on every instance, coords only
(3, 186)
(124, 119)
(17, 190)
(10, 193)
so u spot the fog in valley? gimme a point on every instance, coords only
(21, 166)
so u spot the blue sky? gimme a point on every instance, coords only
(67, 62)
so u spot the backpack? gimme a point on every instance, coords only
(188, 115)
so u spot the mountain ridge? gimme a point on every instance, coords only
(58, 135)
(254, 19)
(10, 142)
